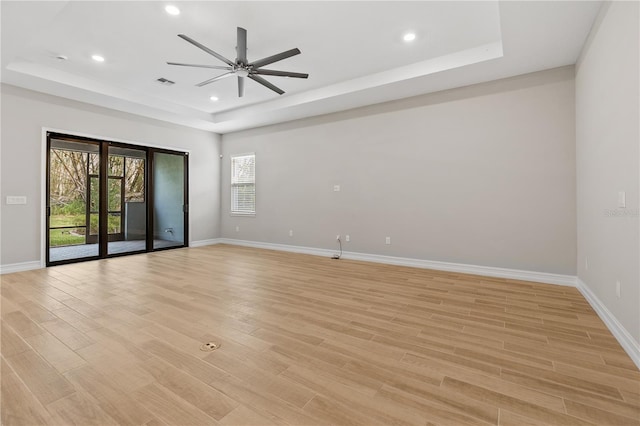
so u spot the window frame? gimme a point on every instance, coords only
(232, 185)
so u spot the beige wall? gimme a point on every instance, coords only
(607, 151)
(480, 175)
(25, 113)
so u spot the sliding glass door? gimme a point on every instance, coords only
(169, 199)
(127, 206)
(73, 168)
(108, 199)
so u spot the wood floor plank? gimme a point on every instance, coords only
(22, 324)
(36, 312)
(12, 343)
(67, 334)
(79, 409)
(507, 418)
(19, 405)
(619, 360)
(305, 340)
(325, 385)
(268, 404)
(198, 368)
(169, 408)
(560, 384)
(55, 352)
(76, 319)
(40, 377)
(433, 412)
(125, 374)
(243, 415)
(602, 417)
(450, 400)
(619, 378)
(553, 354)
(510, 403)
(197, 393)
(109, 396)
(493, 383)
(455, 360)
(261, 378)
(334, 412)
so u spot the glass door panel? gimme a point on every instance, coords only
(169, 200)
(73, 190)
(115, 217)
(127, 206)
(107, 198)
(93, 206)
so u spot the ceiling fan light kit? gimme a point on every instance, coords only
(242, 68)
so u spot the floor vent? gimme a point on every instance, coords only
(209, 346)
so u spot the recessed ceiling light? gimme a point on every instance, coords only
(214, 98)
(97, 58)
(409, 37)
(172, 10)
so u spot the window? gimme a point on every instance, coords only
(243, 184)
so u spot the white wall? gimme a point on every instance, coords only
(25, 113)
(481, 175)
(607, 151)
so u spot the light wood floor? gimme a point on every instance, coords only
(305, 340)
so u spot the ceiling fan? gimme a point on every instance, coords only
(242, 67)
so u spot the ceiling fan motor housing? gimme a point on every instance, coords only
(241, 68)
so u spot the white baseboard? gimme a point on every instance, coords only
(628, 343)
(279, 247)
(202, 243)
(489, 271)
(36, 264)
(19, 267)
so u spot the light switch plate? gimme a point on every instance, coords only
(16, 199)
(622, 199)
(336, 188)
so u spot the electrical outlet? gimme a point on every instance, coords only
(336, 188)
(387, 240)
(237, 229)
(618, 289)
(338, 237)
(347, 238)
(291, 232)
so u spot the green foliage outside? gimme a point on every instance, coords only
(70, 174)
(70, 236)
(64, 237)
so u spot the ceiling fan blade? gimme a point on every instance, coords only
(206, 49)
(220, 77)
(281, 73)
(215, 67)
(275, 58)
(265, 83)
(240, 86)
(242, 45)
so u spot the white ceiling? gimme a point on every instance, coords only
(353, 52)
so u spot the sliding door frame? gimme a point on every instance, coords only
(104, 144)
(151, 198)
(47, 207)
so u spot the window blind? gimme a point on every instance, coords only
(243, 184)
